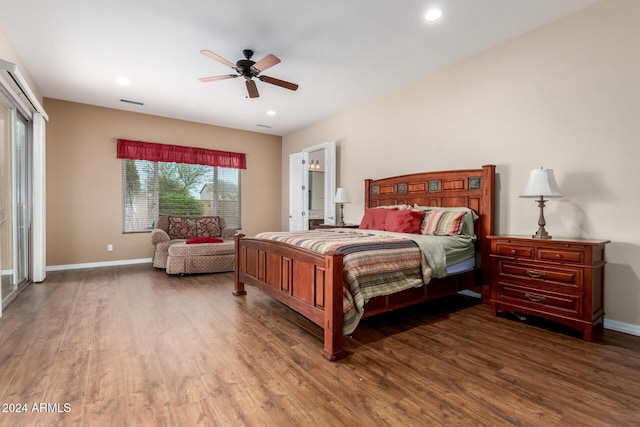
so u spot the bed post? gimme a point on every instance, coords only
(487, 226)
(367, 193)
(333, 315)
(238, 288)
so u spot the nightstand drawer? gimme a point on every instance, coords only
(570, 277)
(518, 251)
(560, 255)
(537, 299)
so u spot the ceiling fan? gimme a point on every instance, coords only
(249, 69)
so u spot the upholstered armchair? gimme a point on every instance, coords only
(171, 230)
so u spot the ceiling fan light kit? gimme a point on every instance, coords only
(249, 69)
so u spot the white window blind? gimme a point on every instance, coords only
(151, 189)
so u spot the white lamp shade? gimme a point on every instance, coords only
(542, 182)
(342, 196)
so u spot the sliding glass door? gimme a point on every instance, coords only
(6, 259)
(15, 203)
(22, 197)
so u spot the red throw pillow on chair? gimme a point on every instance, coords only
(203, 240)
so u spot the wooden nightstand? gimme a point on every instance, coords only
(559, 279)
(314, 224)
(339, 226)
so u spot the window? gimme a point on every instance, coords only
(161, 188)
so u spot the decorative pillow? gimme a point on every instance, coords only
(182, 228)
(404, 221)
(374, 219)
(468, 221)
(208, 226)
(442, 223)
(204, 240)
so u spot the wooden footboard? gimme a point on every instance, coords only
(306, 281)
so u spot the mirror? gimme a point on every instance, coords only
(316, 191)
(321, 167)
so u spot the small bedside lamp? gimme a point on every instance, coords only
(541, 184)
(341, 198)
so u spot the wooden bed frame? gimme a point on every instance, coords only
(311, 283)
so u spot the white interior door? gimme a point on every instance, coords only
(298, 191)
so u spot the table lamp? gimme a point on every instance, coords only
(541, 184)
(341, 198)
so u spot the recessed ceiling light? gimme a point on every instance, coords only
(271, 113)
(433, 14)
(122, 81)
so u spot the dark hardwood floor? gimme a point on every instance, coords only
(133, 346)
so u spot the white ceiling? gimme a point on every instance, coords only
(340, 52)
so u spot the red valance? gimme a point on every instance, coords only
(154, 152)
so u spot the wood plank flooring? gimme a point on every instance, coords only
(129, 346)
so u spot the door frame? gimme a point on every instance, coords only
(299, 179)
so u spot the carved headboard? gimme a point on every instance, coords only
(472, 188)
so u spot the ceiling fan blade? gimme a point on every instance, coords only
(278, 82)
(252, 89)
(214, 78)
(266, 62)
(218, 58)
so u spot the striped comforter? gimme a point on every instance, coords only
(374, 265)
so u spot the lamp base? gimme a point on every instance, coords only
(340, 222)
(541, 234)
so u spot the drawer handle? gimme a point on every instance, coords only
(534, 298)
(558, 256)
(535, 274)
(513, 251)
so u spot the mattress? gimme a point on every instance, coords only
(462, 266)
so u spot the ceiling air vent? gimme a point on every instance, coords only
(128, 101)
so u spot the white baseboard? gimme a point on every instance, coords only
(614, 325)
(98, 264)
(627, 328)
(470, 293)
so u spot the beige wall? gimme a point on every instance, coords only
(565, 97)
(8, 53)
(84, 184)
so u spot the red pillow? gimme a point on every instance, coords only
(404, 221)
(374, 219)
(203, 240)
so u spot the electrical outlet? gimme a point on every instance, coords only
(109, 248)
